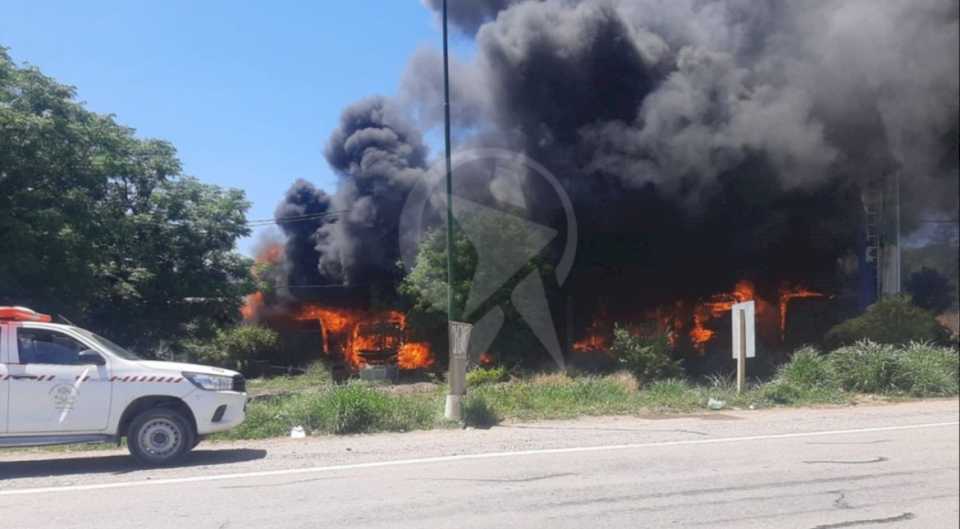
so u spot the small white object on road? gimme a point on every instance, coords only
(297, 432)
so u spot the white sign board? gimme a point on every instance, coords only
(744, 320)
(459, 339)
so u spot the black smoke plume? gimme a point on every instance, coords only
(303, 211)
(378, 157)
(701, 141)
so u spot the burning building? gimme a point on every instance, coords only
(714, 151)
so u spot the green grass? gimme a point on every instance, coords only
(316, 377)
(351, 408)
(810, 378)
(557, 396)
(487, 375)
(927, 370)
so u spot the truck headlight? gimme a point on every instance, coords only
(210, 382)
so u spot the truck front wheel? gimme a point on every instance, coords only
(160, 436)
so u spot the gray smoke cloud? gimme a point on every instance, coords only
(468, 15)
(421, 92)
(658, 116)
(677, 93)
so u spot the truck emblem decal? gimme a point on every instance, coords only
(64, 397)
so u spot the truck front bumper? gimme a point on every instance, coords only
(216, 411)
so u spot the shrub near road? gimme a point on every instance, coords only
(893, 320)
(352, 408)
(810, 378)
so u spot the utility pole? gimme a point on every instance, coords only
(449, 168)
(458, 333)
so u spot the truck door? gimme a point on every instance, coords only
(51, 389)
(4, 383)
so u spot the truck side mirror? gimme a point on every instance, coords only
(91, 357)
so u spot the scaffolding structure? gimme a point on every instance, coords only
(872, 196)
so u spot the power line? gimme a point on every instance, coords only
(294, 218)
(331, 285)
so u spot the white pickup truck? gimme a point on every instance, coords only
(60, 384)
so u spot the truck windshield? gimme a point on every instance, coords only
(113, 348)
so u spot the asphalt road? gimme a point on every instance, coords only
(870, 466)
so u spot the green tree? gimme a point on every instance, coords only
(237, 347)
(892, 320)
(425, 285)
(102, 227)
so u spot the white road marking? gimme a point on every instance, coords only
(464, 457)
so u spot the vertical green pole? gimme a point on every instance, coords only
(456, 373)
(449, 175)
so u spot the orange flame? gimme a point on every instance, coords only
(715, 307)
(683, 319)
(699, 334)
(598, 335)
(271, 253)
(358, 334)
(252, 305)
(414, 355)
(591, 343)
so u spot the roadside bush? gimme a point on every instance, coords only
(806, 379)
(351, 408)
(479, 413)
(646, 359)
(928, 370)
(867, 367)
(892, 320)
(919, 369)
(483, 375)
(357, 408)
(807, 367)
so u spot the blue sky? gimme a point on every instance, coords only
(248, 92)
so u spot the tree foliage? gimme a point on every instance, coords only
(102, 227)
(237, 347)
(892, 320)
(425, 285)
